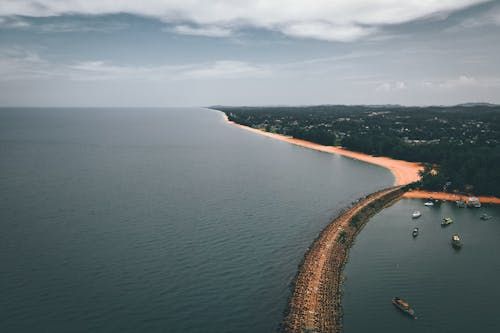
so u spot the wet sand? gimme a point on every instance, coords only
(404, 172)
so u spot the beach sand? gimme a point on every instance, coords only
(448, 196)
(404, 172)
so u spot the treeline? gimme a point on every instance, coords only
(460, 142)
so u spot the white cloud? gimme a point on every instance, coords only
(462, 82)
(207, 31)
(340, 20)
(13, 22)
(228, 69)
(327, 31)
(16, 65)
(392, 86)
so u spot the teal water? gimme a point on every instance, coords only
(452, 291)
(157, 220)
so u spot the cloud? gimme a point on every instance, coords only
(19, 65)
(462, 81)
(392, 86)
(13, 23)
(207, 31)
(489, 18)
(340, 20)
(327, 31)
(228, 69)
(72, 26)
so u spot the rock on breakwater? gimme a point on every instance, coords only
(315, 303)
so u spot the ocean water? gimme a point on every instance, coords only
(165, 220)
(451, 290)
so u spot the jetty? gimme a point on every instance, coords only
(315, 303)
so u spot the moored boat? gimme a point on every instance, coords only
(429, 203)
(404, 306)
(414, 233)
(456, 242)
(446, 221)
(474, 202)
(416, 214)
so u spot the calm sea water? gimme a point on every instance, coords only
(452, 291)
(170, 220)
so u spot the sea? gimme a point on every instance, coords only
(450, 290)
(171, 220)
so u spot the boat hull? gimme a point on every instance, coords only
(405, 309)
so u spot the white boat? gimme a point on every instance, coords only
(416, 214)
(474, 202)
(429, 203)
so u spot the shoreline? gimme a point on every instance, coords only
(315, 304)
(404, 172)
(419, 194)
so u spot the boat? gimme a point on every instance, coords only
(446, 221)
(416, 214)
(404, 306)
(461, 203)
(474, 202)
(485, 217)
(414, 233)
(429, 203)
(455, 242)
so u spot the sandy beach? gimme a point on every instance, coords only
(404, 172)
(448, 196)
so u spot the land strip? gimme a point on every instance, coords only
(315, 303)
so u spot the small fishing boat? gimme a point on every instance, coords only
(404, 306)
(474, 202)
(456, 242)
(416, 214)
(414, 233)
(429, 203)
(446, 221)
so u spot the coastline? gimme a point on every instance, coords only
(418, 194)
(404, 172)
(315, 303)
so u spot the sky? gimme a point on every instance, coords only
(240, 52)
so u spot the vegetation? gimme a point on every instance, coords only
(459, 144)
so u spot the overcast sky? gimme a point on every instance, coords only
(243, 52)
